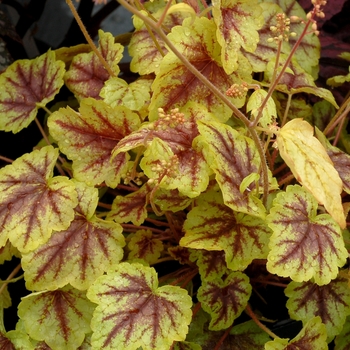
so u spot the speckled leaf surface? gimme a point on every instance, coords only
(224, 299)
(331, 302)
(175, 85)
(61, 318)
(303, 245)
(33, 203)
(27, 85)
(79, 254)
(86, 74)
(89, 136)
(211, 225)
(237, 23)
(133, 311)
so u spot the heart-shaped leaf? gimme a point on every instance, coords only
(133, 311)
(61, 318)
(303, 245)
(79, 254)
(26, 86)
(32, 202)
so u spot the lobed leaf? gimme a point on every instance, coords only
(89, 137)
(211, 225)
(133, 311)
(312, 337)
(32, 203)
(237, 23)
(330, 302)
(233, 157)
(79, 254)
(311, 165)
(28, 85)
(303, 245)
(61, 318)
(175, 85)
(224, 299)
(87, 75)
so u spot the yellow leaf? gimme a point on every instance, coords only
(311, 166)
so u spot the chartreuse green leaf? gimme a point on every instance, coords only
(144, 246)
(32, 202)
(211, 225)
(133, 311)
(89, 136)
(61, 317)
(224, 299)
(342, 340)
(312, 337)
(237, 23)
(86, 74)
(310, 164)
(340, 159)
(303, 245)
(170, 200)
(331, 302)
(15, 340)
(79, 254)
(7, 252)
(175, 85)
(27, 85)
(233, 157)
(269, 111)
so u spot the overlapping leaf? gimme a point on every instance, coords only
(15, 340)
(133, 312)
(26, 86)
(342, 341)
(86, 75)
(224, 299)
(211, 225)
(233, 157)
(79, 254)
(61, 318)
(7, 252)
(89, 137)
(331, 302)
(312, 167)
(303, 245)
(170, 200)
(178, 134)
(184, 345)
(146, 56)
(237, 26)
(175, 85)
(144, 246)
(312, 337)
(32, 202)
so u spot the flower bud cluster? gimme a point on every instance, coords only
(163, 168)
(237, 90)
(171, 119)
(282, 29)
(318, 12)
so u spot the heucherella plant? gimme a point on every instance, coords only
(155, 212)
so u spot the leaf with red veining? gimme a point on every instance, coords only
(303, 245)
(340, 159)
(175, 85)
(61, 317)
(26, 86)
(181, 254)
(87, 75)
(233, 157)
(146, 57)
(211, 264)
(178, 131)
(224, 299)
(170, 200)
(144, 246)
(89, 136)
(237, 26)
(312, 337)
(33, 203)
(79, 254)
(15, 340)
(131, 207)
(133, 311)
(211, 225)
(331, 302)
(7, 252)
(298, 81)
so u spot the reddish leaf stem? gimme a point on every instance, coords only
(7, 160)
(10, 276)
(196, 308)
(132, 228)
(222, 339)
